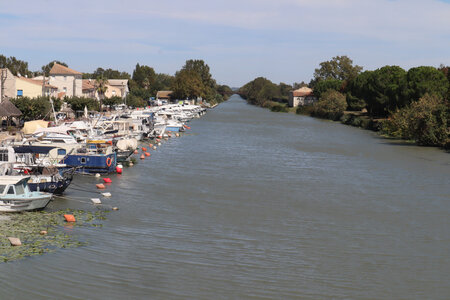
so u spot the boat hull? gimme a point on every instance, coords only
(25, 204)
(84, 163)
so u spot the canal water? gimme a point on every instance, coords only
(255, 204)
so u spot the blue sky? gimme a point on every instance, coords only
(282, 40)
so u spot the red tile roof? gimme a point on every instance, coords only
(37, 82)
(58, 69)
(302, 92)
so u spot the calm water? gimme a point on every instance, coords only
(254, 204)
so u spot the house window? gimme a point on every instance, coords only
(65, 89)
(113, 93)
(19, 93)
(65, 77)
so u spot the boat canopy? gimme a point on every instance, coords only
(12, 179)
(33, 149)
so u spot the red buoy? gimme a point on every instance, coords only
(119, 170)
(144, 149)
(142, 156)
(147, 154)
(107, 180)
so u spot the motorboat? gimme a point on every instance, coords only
(15, 195)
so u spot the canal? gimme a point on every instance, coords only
(255, 204)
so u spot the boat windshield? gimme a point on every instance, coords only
(2, 188)
(19, 189)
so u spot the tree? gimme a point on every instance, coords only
(188, 84)
(331, 105)
(426, 80)
(46, 69)
(199, 67)
(162, 82)
(357, 91)
(327, 84)
(259, 91)
(339, 67)
(385, 90)
(15, 65)
(78, 103)
(108, 74)
(101, 86)
(115, 100)
(143, 76)
(33, 109)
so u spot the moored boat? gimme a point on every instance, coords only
(15, 195)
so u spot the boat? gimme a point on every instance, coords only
(15, 195)
(96, 157)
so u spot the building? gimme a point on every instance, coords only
(119, 84)
(7, 84)
(163, 95)
(32, 88)
(302, 96)
(88, 88)
(66, 80)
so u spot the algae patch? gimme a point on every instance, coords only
(30, 226)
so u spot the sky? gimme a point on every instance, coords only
(282, 40)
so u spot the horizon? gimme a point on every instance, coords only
(238, 40)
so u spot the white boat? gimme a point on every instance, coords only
(15, 196)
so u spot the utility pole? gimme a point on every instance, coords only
(3, 75)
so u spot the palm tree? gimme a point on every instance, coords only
(101, 88)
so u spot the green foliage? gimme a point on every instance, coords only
(339, 67)
(33, 109)
(259, 91)
(331, 105)
(16, 66)
(188, 85)
(307, 110)
(143, 77)
(108, 74)
(115, 100)
(327, 84)
(78, 103)
(163, 82)
(386, 90)
(426, 80)
(426, 121)
(46, 69)
(134, 101)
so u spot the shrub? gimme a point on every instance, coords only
(425, 121)
(331, 105)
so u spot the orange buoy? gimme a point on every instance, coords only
(142, 156)
(144, 149)
(107, 180)
(109, 142)
(169, 135)
(159, 136)
(136, 152)
(147, 154)
(150, 145)
(100, 186)
(69, 218)
(158, 140)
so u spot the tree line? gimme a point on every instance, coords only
(411, 104)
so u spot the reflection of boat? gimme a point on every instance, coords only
(16, 196)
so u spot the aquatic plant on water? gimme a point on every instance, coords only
(42, 232)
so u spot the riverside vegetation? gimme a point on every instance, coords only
(411, 105)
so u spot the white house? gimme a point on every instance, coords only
(66, 80)
(302, 96)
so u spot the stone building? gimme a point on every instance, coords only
(302, 96)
